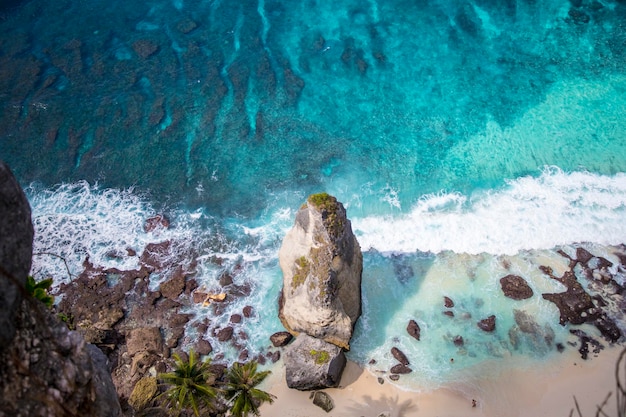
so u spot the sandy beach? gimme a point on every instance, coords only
(545, 392)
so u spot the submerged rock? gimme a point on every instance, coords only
(322, 264)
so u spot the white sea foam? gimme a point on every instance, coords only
(79, 220)
(529, 213)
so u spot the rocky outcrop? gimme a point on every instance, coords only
(311, 364)
(322, 263)
(413, 329)
(488, 324)
(323, 401)
(515, 287)
(45, 369)
(280, 339)
(16, 246)
(321, 297)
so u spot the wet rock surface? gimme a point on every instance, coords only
(488, 324)
(515, 287)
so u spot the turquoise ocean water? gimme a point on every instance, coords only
(467, 140)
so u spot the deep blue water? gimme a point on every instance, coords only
(456, 134)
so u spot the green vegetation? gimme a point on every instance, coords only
(299, 276)
(321, 357)
(241, 393)
(39, 290)
(329, 207)
(192, 385)
(68, 320)
(322, 200)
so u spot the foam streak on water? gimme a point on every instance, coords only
(555, 208)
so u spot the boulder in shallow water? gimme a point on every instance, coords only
(488, 324)
(400, 369)
(322, 264)
(399, 355)
(515, 287)
(312, 363)
(280, 339)
(413, 329)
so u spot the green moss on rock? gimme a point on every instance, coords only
(320, 356)
(142, 394)
(301, 272)
(331, 211)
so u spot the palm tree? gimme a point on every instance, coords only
(243, 397)
(192, 384)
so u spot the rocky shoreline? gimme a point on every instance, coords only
(116, 321)
(139, 328)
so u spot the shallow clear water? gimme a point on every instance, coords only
(456, 134)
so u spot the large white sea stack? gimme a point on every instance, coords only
(322, 264)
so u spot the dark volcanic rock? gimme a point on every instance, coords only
(280, 339)
(145, 48)
(400, 369)
(16, 247)
(447, 302)
(488, 324)
(515, 287)
(583, 255)
(248, 311)
(156, 222)
(174, 286)
(203, 347)
(323, 401)
(311, 364)
(458, 341)
(400, 356)
(225, 334)
(575, 305)
(413, 329)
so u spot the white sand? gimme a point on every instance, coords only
(545, 392)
